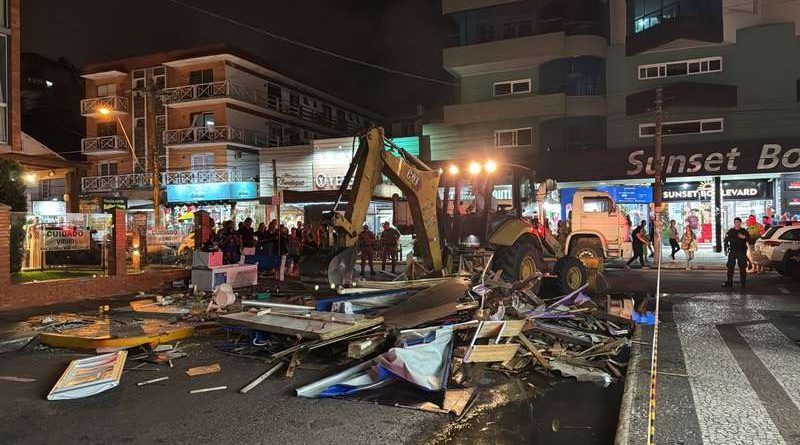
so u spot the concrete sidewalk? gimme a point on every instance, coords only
(704, 259)
(728, 372)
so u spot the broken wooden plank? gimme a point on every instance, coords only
(507, 328)
(427, 305)
(319, 325)
(362, 348)
(532, 348)
(456, 400)
(201, 370)
(491, 353)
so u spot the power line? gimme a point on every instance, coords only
(310, 47)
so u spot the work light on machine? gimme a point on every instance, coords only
(474, 168)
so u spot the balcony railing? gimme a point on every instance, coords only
(98, 106)
(142, 180)
(115, 182)
(213, 90)
(201, 176)
(313, 115)
(215, 134)
(103, 144)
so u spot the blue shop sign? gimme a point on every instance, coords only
(622, 194)
(212, 191)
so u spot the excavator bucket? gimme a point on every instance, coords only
(329, 268)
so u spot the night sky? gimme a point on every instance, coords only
(401, 34)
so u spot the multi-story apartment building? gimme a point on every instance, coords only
(531, 78)
(212, 110)
(572, 86)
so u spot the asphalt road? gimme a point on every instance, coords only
(167, 413)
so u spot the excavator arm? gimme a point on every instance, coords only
(377, 156)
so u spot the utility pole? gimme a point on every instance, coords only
(658, 188)
(153, 161)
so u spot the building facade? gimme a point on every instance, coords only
(207, 113)
(531, 78)
(584, 96)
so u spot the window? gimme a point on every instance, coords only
(683, 127)
(202, 161)
(596, 204)
(201, 76)
(204, 119)
(108, 89)
(790, 235)
(649, 13)
(107, 168)
(138, 79)
(106, 129)
(681, 68)
(512, 87)
(513, 138)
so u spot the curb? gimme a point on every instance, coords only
(622, 436)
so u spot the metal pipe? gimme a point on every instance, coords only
(254, 303)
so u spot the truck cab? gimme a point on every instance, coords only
(597, 227)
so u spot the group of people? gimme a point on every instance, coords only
(738, 243)
(387, 244)
(274, 240)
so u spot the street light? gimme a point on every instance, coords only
(490, 166)
(474, 168)
(453, 169)
(105, 111)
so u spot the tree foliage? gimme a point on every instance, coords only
(12, 193)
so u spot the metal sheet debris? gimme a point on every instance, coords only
(89, 376)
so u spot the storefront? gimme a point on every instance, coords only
(309, 177)
(755, 177)
(692, 203)
(224, 201)
(790, 195)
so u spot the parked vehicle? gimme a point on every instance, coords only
(778, 249)
(598, 227)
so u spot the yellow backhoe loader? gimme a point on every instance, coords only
(444, 231)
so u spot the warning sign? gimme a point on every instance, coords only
(65, 239)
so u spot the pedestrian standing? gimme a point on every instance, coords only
(689, 245)
(736, 241)
(639, 241)
(389, 240)
(673, 239)
(366, 245)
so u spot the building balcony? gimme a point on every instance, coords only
(683, 94)
(206, 93)
(105, 106)
(133, 181)
(104, 146)
(692, 21)
(201, 176)
(493, 110)
(521, 52)
(219, 134)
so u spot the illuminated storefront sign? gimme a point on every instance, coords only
(213, 191)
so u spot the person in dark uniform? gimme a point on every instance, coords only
(736, 241)
(366, 244)
(389, 239)
(639, 241)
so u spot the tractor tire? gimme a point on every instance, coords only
(519, 261)
(570, 273)
(586, 247)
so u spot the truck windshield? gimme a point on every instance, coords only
(596, 204)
